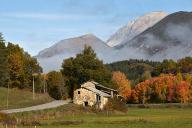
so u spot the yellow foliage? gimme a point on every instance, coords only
(122, 84)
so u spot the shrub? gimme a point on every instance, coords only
(116, 104)
(56, 85)
(5, 119)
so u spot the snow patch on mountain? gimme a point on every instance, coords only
(135, 27)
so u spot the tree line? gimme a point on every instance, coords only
(157, 82)
(166, 88)
(140, 70)
(155, 85)
(138, 81)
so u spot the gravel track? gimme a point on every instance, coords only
(52, 104)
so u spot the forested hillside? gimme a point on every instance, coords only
(135, 70)
(140, 70)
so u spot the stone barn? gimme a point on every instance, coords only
(92, 93)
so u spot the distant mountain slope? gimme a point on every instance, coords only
(73, 46)
(135, 27)
(169, 38)
(69, 48)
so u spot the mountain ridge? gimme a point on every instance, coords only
(135, 27)
(171, 32)
(69, 48)
(170, 38)
(58, 47)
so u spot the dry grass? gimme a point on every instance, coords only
(21, 98)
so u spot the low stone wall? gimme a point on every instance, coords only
(163, 105)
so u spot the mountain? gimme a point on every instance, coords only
(134, 28)
(74, 46)
(52, 57)
(170, 38)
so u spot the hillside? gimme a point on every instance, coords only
(169, 38)
(21, 98)
(134, 28)
(69, 48)
(135, 70)
(74, 45)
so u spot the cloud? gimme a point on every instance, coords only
(175, 44)
(180, 32)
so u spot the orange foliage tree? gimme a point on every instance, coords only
(165, 88)
(182, 92)
(122, 84)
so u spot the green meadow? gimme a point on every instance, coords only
(134, 118)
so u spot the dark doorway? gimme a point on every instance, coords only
(86, 103)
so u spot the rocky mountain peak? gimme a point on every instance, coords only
(135, 27)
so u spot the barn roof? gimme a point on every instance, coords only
(97, 91)
(99, 85)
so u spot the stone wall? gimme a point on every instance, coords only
(87, 96)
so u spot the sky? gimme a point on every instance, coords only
(38, 24)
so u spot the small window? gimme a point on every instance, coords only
(98, 98)
(78, 92)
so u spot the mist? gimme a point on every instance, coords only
(178, 44)
(175, 44)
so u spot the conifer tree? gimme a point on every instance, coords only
(4, 76)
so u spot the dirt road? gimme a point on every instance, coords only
(52, 104)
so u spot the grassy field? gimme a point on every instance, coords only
(134, 118)
(21, 98)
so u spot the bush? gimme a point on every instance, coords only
(116, 104)
(56, 85)
(5, 119)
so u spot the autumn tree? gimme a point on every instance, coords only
(122, 84)
(179, 76)
(21, 66)
(165, 88)
(149, 90)
(182, 92)
(15, 65)
(31, 66)
(140, 93)
(188, 78)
